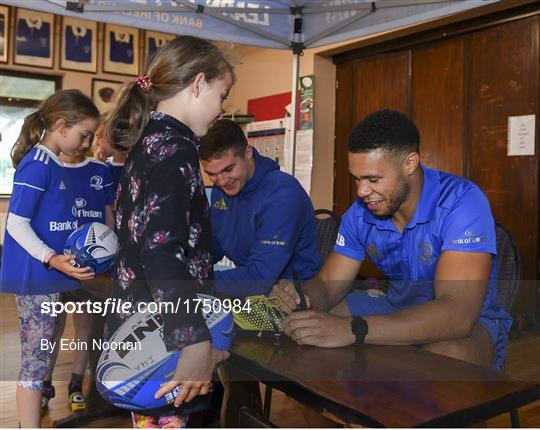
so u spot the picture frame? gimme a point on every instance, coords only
(121, 50)
(78, 45)
(4, 33)
(104, 93)
(154, 40)
(34, 38)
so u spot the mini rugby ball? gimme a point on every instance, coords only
(93, 245)
(137, 363)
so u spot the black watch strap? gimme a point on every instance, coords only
(359, 328)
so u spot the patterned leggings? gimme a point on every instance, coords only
(35, 329)
(172, 422)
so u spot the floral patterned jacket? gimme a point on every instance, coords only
(163, 227)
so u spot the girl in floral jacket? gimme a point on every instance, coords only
(162, 218)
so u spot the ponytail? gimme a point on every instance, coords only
(70, 105)
(31, 133)
(125, 123)
(171, 69)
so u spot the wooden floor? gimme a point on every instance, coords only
(523, 362)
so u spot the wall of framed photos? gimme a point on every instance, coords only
(93, 57)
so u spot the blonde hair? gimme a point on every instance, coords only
(171, 69)
(70, 105)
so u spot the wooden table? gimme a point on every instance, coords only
(376, 386)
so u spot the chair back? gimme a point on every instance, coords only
(327, 229)
(508, 267)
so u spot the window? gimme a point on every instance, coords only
(20, 95)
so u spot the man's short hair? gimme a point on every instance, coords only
(386, 129)
(224, 135)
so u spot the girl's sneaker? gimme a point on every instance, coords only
(76, 397)
(47, 393)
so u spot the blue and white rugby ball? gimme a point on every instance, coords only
(93, 245)
(129, 378)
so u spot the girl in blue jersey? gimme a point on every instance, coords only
(162, 215)
(92, 187)
(40, 218)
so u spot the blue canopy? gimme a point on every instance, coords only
(269, 24)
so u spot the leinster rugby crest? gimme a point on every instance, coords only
(96, 182)
(425, 253)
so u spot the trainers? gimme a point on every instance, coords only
(264, 315)
(76, 397)
(47, 393)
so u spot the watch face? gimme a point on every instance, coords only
(359, 328)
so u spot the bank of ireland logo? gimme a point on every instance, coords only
(96, 182)
(79, 204)
(340, 240)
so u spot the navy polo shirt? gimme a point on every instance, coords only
(452, 214)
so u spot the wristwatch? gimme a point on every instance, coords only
(359, 328)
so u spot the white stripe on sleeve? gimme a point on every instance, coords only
(24, 184)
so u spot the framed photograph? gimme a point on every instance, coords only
(78, 50)
(34, 38)
(153, 41)
(104, 93)
(121, 50)
(4, 34)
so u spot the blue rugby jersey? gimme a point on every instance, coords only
(93, 189)
(122, 49)
(33, 38)
(452, 214)
(78, 44)
(42, 193)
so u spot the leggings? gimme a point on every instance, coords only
(171, 422)
(35, 329)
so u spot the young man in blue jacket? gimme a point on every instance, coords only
(262, 219)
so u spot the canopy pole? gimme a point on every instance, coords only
(294, 104)
(297, 46)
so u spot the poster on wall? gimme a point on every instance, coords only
(306, 102)
(4, 34)
(153, 41)
(121, 50)
(79, 45)
(34, 38)
(104, 93)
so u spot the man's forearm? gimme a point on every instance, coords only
(320, 294)
(436, 320)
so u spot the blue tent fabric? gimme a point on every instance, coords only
(257, 22)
